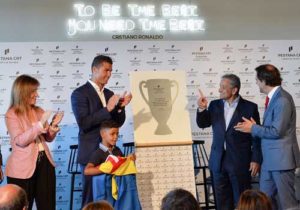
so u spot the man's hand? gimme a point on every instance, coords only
(125, 99)
(245, 126)
(202, 101)
(254, 168)
(112, 102)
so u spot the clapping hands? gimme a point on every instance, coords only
(125, 99)
(56, 119)
(119, 101)
(46, 115)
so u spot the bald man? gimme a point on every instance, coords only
(12, 197)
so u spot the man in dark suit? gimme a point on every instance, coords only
(92, 104)
(279, 144)
(234, 156)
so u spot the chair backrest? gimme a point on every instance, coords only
(200, 155)
(73, 166)
(128, 148)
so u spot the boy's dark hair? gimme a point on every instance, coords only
(109, 124)
(98, 60)
(270, 74)
(179, 199)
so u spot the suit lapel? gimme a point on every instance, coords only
(271, 103)
(221, 108)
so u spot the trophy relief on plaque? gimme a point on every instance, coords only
(160, 101)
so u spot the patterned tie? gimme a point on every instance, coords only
(267, 102)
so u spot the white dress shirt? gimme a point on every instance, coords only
(100, 92)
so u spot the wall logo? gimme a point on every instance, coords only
(135, 49)
(290, 55)
(117, 74)
(8, 58)
(154, 61)
(77, 62)
(37, 51)
(245, 49)
(227, 49)
(117, 86)
(211, 84)
(135, 61)
(154, 49)
(192, 73)
(38, 75)
(210, 72)
(37, 63)
(57, 50)
(172, 49)
(284, 71)
(6, 51)
(77, 50)
(228, 70)
(107, 52)
(246, 60)
(57, 75)
(263, 48)
(173, 61)
(77, 75)
(228, 61)
(246, 72)
(58, 87)
(192, 85)
(57, 63)
(201, 54)
(58, 100)
(263, 60)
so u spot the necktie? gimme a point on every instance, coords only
(267, 102)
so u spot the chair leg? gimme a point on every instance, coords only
(213, 188)
(72, 190)
(205, 188)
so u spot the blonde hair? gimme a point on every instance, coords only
(254, 200)
(21, 92)
(99, 205)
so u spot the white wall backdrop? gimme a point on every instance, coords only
(63, 66)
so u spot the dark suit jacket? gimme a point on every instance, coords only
(90, 113)
(241, 148)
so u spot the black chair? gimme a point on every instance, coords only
(128, 148)
(73, 169)
(201, 166)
